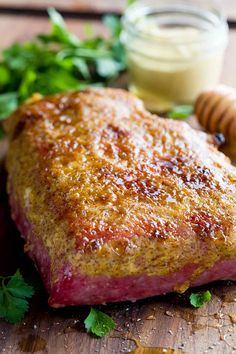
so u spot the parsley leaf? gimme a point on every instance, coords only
(59, 31)
(199, 299)
(130, 2)
(180, 112)
(18, 287)
(113, 23)
(8, 103)
(4, 75)
(107, 67)
(12, 309)
(99, 323)
(13, 294)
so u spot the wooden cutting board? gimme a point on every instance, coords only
(157, 323)
(160, 322)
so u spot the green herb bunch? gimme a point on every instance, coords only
(59, 61)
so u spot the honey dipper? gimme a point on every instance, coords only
(216, 111)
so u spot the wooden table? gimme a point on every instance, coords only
(89, 7)
(166, 321)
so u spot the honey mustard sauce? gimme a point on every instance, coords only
(173, 52)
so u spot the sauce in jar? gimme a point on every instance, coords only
(175, 50)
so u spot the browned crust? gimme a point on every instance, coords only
(100, 177)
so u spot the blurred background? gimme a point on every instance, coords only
(21, 19)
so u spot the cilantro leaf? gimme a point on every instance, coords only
(99, 323)
(13, 294)
(180, 112)
(199, 299)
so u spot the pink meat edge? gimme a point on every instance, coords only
(78, 289)
(84, 290)
(37, 251)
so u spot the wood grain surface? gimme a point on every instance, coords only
(164, 321)
(96, 6)
(23, 28)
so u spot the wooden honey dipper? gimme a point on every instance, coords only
(216, 111)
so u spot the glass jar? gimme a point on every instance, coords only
(175, 50)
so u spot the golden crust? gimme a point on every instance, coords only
(114, 190)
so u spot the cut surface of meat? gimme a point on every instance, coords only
(116, 203)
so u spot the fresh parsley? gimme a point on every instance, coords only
(130, 2)
(8, 103)
(59, 61)
(180, 112)
(199, 299)
(13, 294)
(99, 323)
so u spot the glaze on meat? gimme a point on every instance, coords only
(116, 203)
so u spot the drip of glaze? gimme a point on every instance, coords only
(152, 350)
(233, 318)
(32, 344)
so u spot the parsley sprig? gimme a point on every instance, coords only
(180, 112)
(199, 299)
(14, 292)
(14, 295)
(59, 61)
(99, 323)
